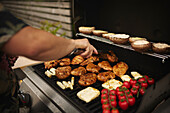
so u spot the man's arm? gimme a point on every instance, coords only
(40, 45)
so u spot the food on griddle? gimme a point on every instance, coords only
(78, 71)
(63, 72)
(50, 64)
(88, 94)
(86, 30)
(60, 84)
(105, 76)
(77, 60)
(136, 75)
(99, 32)
(87, 79)
(91, 59)
(141, 45)
(52, 70)
(64, 62)
(120, 68)
(119, 38)
(66, 84)
(112, 84)
(93, 68)
(107, 35)
(105, 65)
(161, 47)
(133, 39)
(112, 57)
(125, 78)
(48, 73)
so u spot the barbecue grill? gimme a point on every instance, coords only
(67, 100)
(49, 97)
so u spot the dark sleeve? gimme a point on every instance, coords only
(9, 26)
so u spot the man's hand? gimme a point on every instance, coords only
(84, 44)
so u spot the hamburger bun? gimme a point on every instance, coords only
(132, 39)
(99, 32)
(141, 45)
(86, 30)
(161, 47)
(119, 38)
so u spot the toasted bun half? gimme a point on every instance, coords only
(161, 48)
(141, 45)
(119, 38)
(86, 30)
(132, 39)
(99, 32)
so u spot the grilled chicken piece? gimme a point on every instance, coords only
(120, 68)
(77, 60)
(87, 79)
(112, 57)
(105, 65)
(63, 72)
(91, 59)
(93, 68)
(50, 64)
(105, 76)
(78, 71)
(64, 62)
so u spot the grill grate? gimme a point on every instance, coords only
(164, 57)
(92, 107)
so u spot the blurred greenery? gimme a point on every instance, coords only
(51, 27)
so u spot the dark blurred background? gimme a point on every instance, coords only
(143, 18)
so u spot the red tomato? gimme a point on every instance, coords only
(104, 100)
(113, 103)
(146, 77)
(136, 86)
(134, 90)
(141, 80)
(126, 90)
(151, 81)
(105, 105)
(112, 97)
(127, 84)
(104, 91)
(129, 94)
(142, 91)
(114, 111)
(112, 92)
(132, 81)
(104, 95)
(144, 84)
(123, 104)
(118, 88)
(131, 100)
(106, 110)
(119, 92)
(121, 96)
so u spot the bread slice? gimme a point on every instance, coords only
(88, 94)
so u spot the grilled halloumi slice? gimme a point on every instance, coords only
(48, 73)
(125, 77)
(112, 84)
(88, 94)
(60, 84)
(136, 75)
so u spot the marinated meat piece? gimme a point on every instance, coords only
(112, 57)
(104, 76)
(87, 79)
(78, 71)
(50, 64)
(77, 60)
(93, 68)
(120, 68)
(105, 65)
(63, 72)
(91, 59)
(64, 62)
